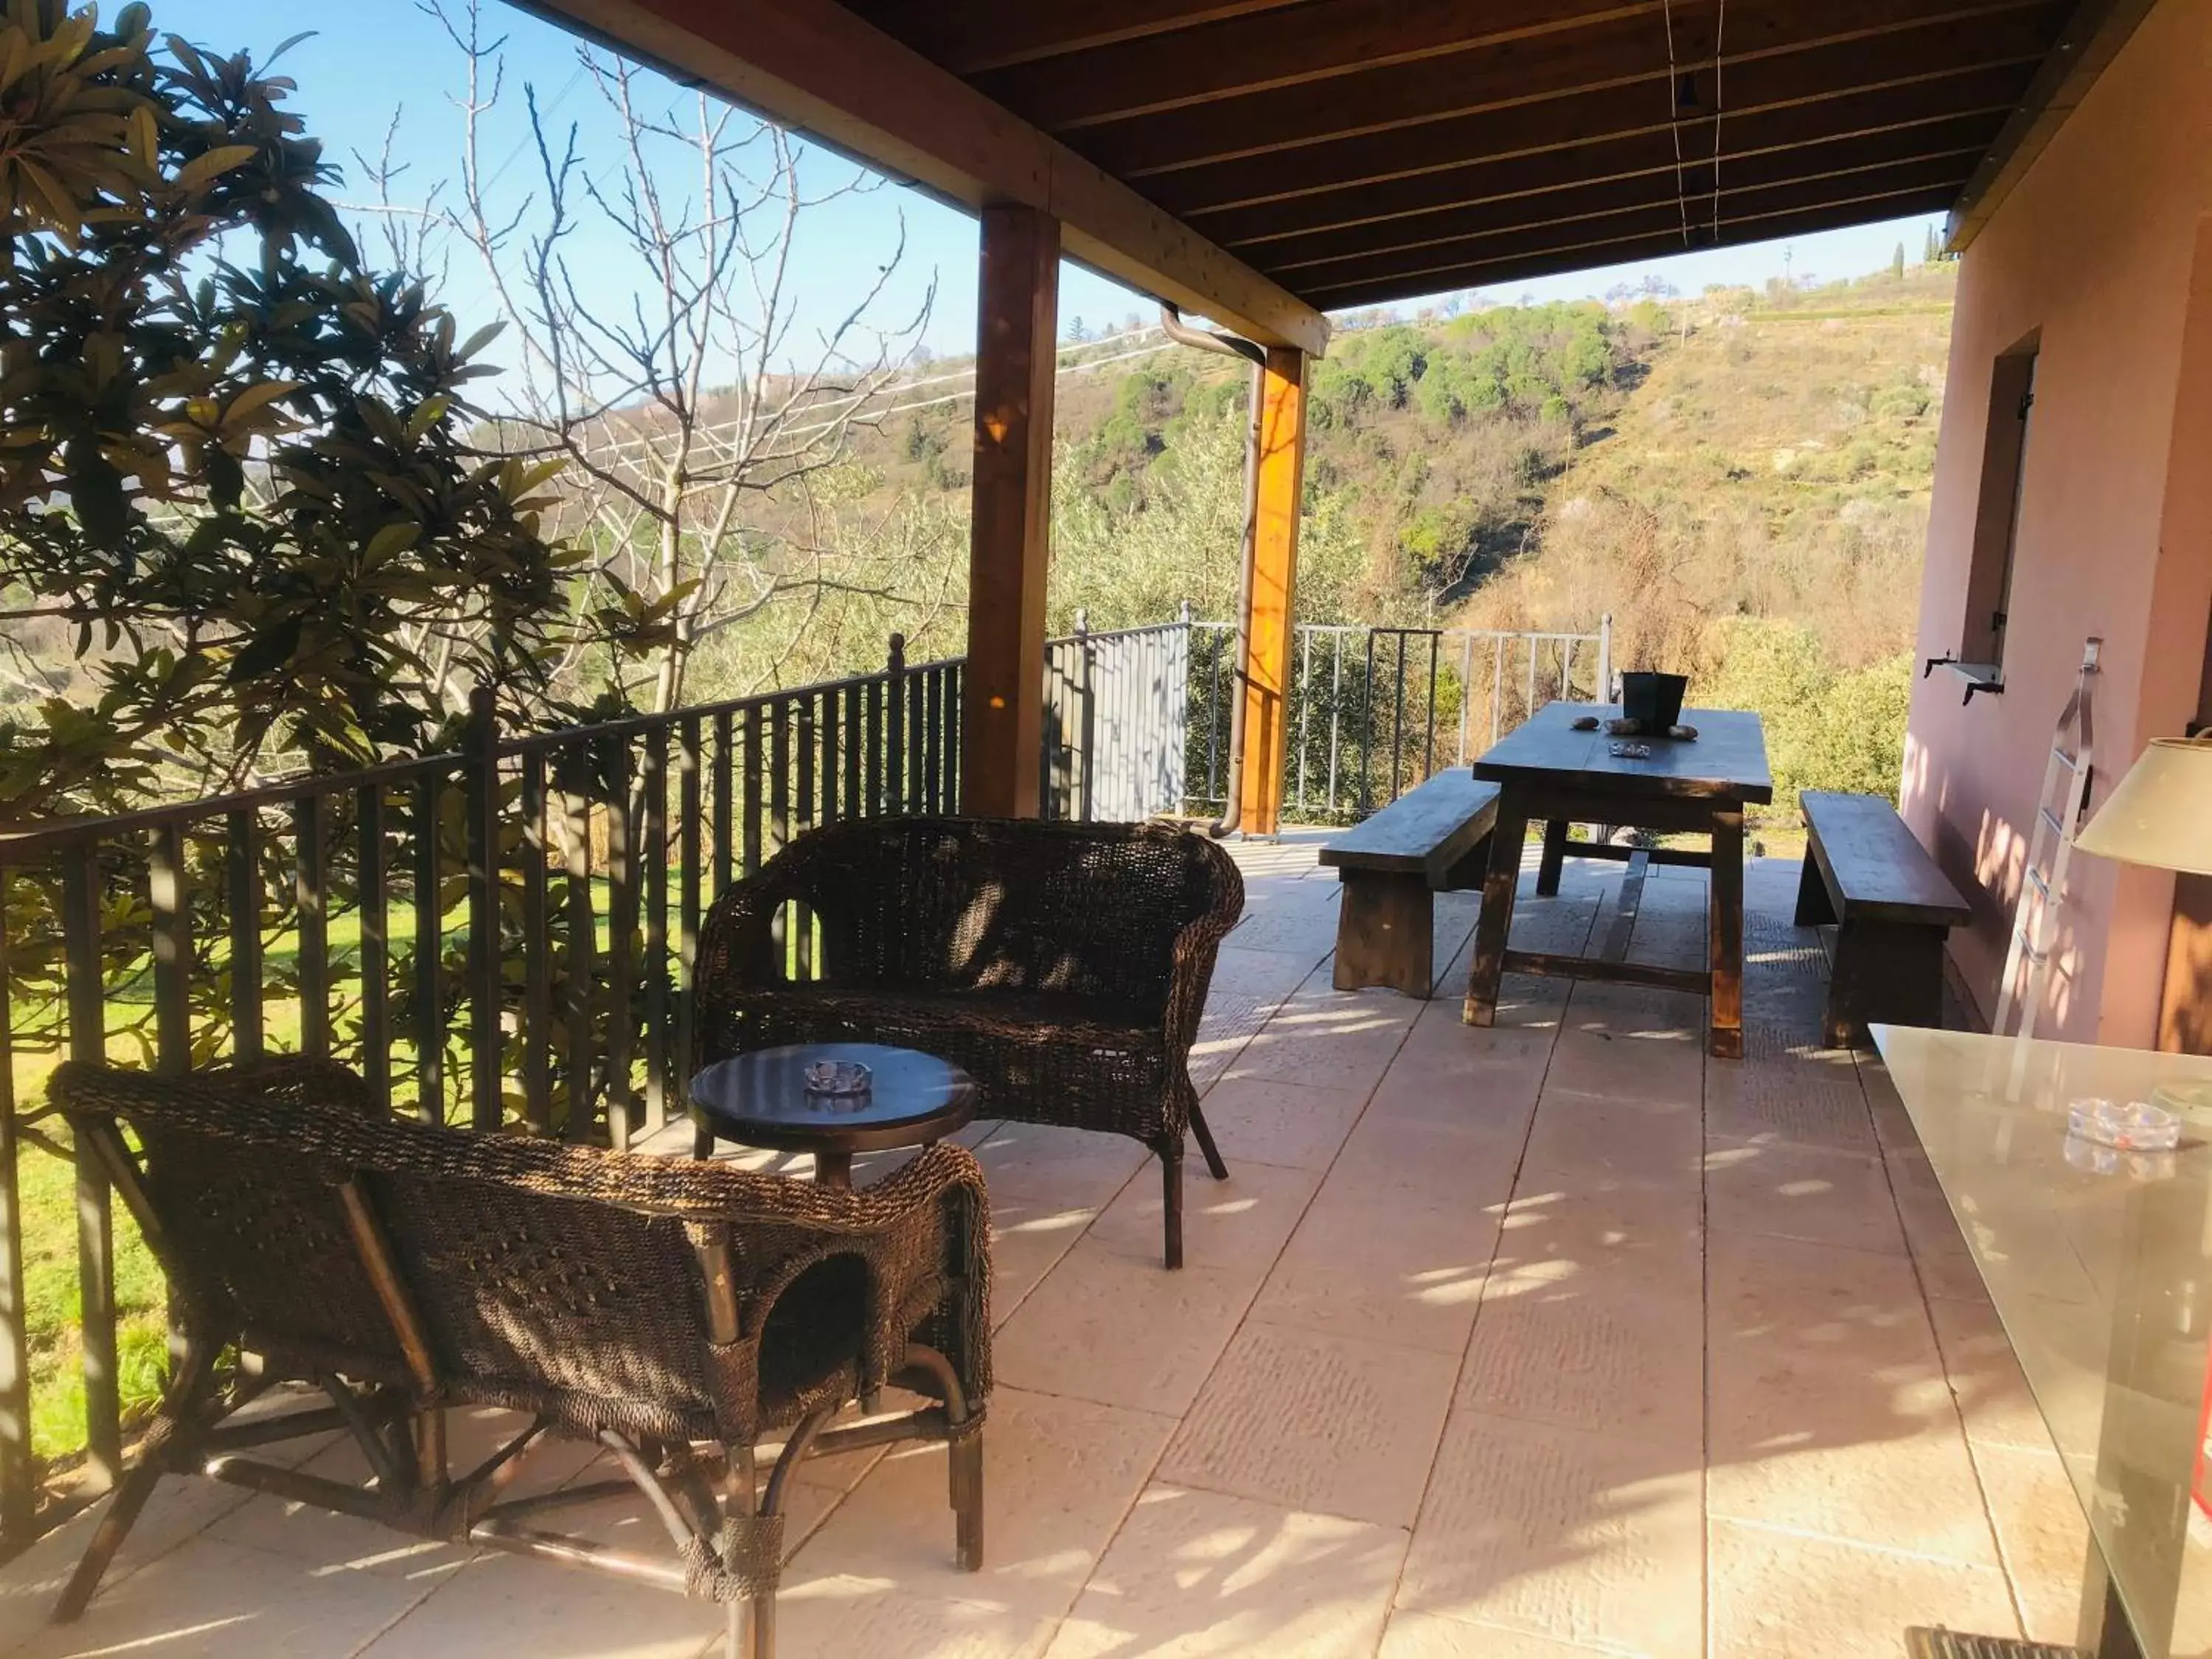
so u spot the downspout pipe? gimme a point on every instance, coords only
(1231, 345)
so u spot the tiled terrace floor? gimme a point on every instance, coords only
(1532, 1343)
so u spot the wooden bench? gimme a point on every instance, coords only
(1891, 904)
(1432, 839)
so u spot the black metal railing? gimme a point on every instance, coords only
(501, 937)
(1373, 711)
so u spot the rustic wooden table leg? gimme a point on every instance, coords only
(1554, 860)
(1494, 921)
(1725, 944)
(1385, 933)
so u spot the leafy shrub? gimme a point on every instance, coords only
(1826, 729)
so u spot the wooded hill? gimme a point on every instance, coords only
(1741, 478)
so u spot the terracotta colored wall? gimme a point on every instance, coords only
(2106, 248)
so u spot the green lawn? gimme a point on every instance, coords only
(46, 1185)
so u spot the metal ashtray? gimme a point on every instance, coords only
(838, 1080)
(1629, 750)
(2126, 1126)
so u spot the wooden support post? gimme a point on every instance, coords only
(1270, 623)
(1002, 713)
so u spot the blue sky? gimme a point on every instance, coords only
(372, 57)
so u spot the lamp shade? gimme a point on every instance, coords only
(2161, 813)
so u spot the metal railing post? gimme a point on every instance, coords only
(1086, 730)
(480, 768)
(1604, 658)
(895, 727)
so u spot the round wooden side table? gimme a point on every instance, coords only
(761, 1099)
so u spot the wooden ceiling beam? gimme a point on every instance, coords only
(1942, 149)
(1635, 206)
(1804, 78)
(1954, 103)
(1322, 40)
(814, 66)
(1629, 52)
(976, 35)
(1525, 264)
(2093, 37)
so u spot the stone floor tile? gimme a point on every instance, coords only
(1351, 1053)
(1818, 1444)
(1323, 1423)
(1414, 1281)
(1425, 1636)
(207, 1600)
(2041, 1533)
(1583, 1538)
(1816, 1299)
(1058, 1476)
(1033, 1165)
(1106, 1327)
(1235, 1226)
(501, 1604)
(1197, 1575)
(1780, 1596)
(1274, 1121)
(1647, 1239)
(179, 1511)
(1403, 1164)
(1790, 1104)
(332, 1543)
(1986, 1375)
(1633, 1138)
(1653, 1067)
(1819, 1196)
(1607, 1358)
(854, 1618)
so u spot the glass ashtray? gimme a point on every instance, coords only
(2094, 1157)
(837, 1080)
(2126, 1126)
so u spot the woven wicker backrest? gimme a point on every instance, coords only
(526, 1281)
(256, 1230)
(554, 1301)
(936, 903)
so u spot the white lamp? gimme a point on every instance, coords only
(2161, 813)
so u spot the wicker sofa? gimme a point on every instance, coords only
(671, 1311)
(1064, 966)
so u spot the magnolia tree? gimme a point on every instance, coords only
(236, 478)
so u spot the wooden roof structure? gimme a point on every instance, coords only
(1265, 160)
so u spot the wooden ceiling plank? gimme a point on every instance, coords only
(815, 66)
(2092, 38)
(1772, 83)
(1526, 265)
(976, 35)
(1946, 142)
(1642, 203)
(1527, 71)
(1321, 41)
(1247, 228)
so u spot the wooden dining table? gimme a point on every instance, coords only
(1547, 771)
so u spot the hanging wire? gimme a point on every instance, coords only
(1673, 119)
(1720, 40)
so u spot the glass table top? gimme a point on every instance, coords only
(2099, 1265)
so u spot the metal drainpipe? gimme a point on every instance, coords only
(1231, 345)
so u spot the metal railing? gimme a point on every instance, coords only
(1373, 711)
(503, 937)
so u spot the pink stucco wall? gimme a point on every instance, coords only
(2106, 248)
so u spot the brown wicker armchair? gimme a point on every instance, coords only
(671, 1311)
(1064, 966)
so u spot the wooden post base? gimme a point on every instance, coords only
(1385, 933)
